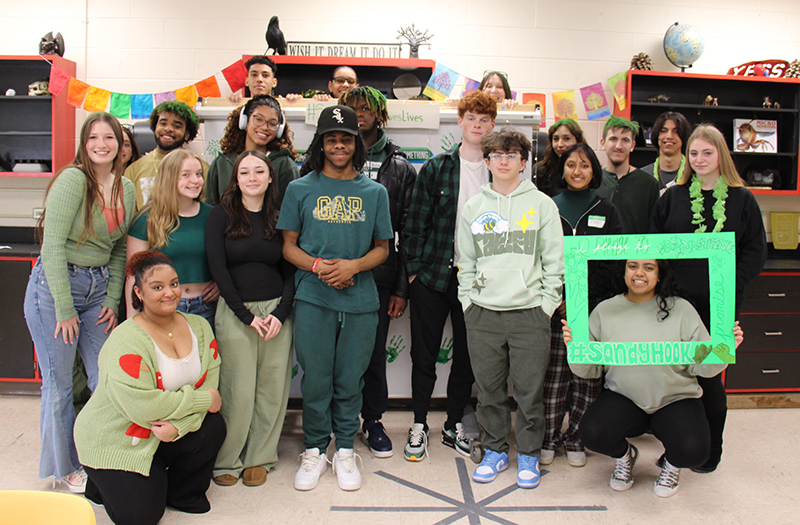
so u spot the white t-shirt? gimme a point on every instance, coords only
(178, 372)
(472, 176)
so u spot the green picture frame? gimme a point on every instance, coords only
(718, 248)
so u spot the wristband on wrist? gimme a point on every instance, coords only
(314, 266)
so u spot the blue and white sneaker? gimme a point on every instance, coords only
(528, 474)
(492, 464)
(374, 436)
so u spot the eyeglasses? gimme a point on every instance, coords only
(259, 121)
(492, 72)
(505, 156)
(342, 80)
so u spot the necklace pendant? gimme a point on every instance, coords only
(170, 335)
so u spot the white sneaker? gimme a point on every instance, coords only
(667, 483)
(75, 482)
(546, 456)
(622, 479)
(346, 470)
(311, 468)
(576, 459)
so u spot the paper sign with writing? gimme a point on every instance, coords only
(402, 114)
(718, 248)
(343, 49)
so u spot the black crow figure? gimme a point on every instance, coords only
(275, 40)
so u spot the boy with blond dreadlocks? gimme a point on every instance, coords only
(387, 165)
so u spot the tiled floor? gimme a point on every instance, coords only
(755, 484)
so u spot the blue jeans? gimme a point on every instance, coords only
(198, 306)
(58, 456)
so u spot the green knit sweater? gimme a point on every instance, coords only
(63, 227)
(113, 429)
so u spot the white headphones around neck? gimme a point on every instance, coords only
(281, 122)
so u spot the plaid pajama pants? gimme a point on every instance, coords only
(558, 383)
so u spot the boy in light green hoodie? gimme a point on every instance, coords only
(511, 273)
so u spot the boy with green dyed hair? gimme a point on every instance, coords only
(387, 165)
(631, 190)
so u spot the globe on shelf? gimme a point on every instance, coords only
(683, 45)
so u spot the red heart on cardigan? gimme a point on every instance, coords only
(137, 431)
(214, 347)
(201, 380)
(131, 364)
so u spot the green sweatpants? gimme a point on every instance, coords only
(334, 349)
(254, 381)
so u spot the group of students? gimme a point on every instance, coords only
(284, 261)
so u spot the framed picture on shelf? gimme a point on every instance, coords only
(755, 135)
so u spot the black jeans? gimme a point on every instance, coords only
(429, 311)
(179, 477)
(375, 394)
(681, 426)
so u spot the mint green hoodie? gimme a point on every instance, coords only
(511, 250)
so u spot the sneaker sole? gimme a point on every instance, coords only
(377, 453)
(349, 488)
(489, 480)
(412, 457)
(464, 453)
(527, 484)
(576, 464)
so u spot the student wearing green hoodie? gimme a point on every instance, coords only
(511, 272)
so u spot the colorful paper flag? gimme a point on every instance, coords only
(58, 79)
(208, 87)
(141, 106)
(564, 105)
(235, 74)
(536, 99)
(77, 92)
(470, 85)
(619, 84)
(441, 83)
(120, 105)
(96, 99)
(594, 100)
(166, 96)
(187, 95)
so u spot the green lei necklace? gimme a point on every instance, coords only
(656, 172)
(720, 193)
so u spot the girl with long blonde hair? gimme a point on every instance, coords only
(710, 197)
(174, 223)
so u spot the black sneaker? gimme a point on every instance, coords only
(374, 436)
(457, 439)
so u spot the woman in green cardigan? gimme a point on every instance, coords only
(75, 286)
(150, 434)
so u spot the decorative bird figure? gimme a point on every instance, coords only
(275, 40)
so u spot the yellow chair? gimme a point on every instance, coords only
(31, 507)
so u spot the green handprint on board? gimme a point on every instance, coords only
(446, 351)
(722, 351)
(448, 141)
(395, 347)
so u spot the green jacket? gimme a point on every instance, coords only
(113, 429)
(63, 227)
(221, 170)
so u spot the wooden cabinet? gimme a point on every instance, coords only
(299, 73)
(34, 130)
(18, 368)
(769, 358)
(738, 98)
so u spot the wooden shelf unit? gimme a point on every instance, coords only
(740, 97)
(299, 73)
(35, 129)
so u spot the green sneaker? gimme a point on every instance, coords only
(417, 445)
